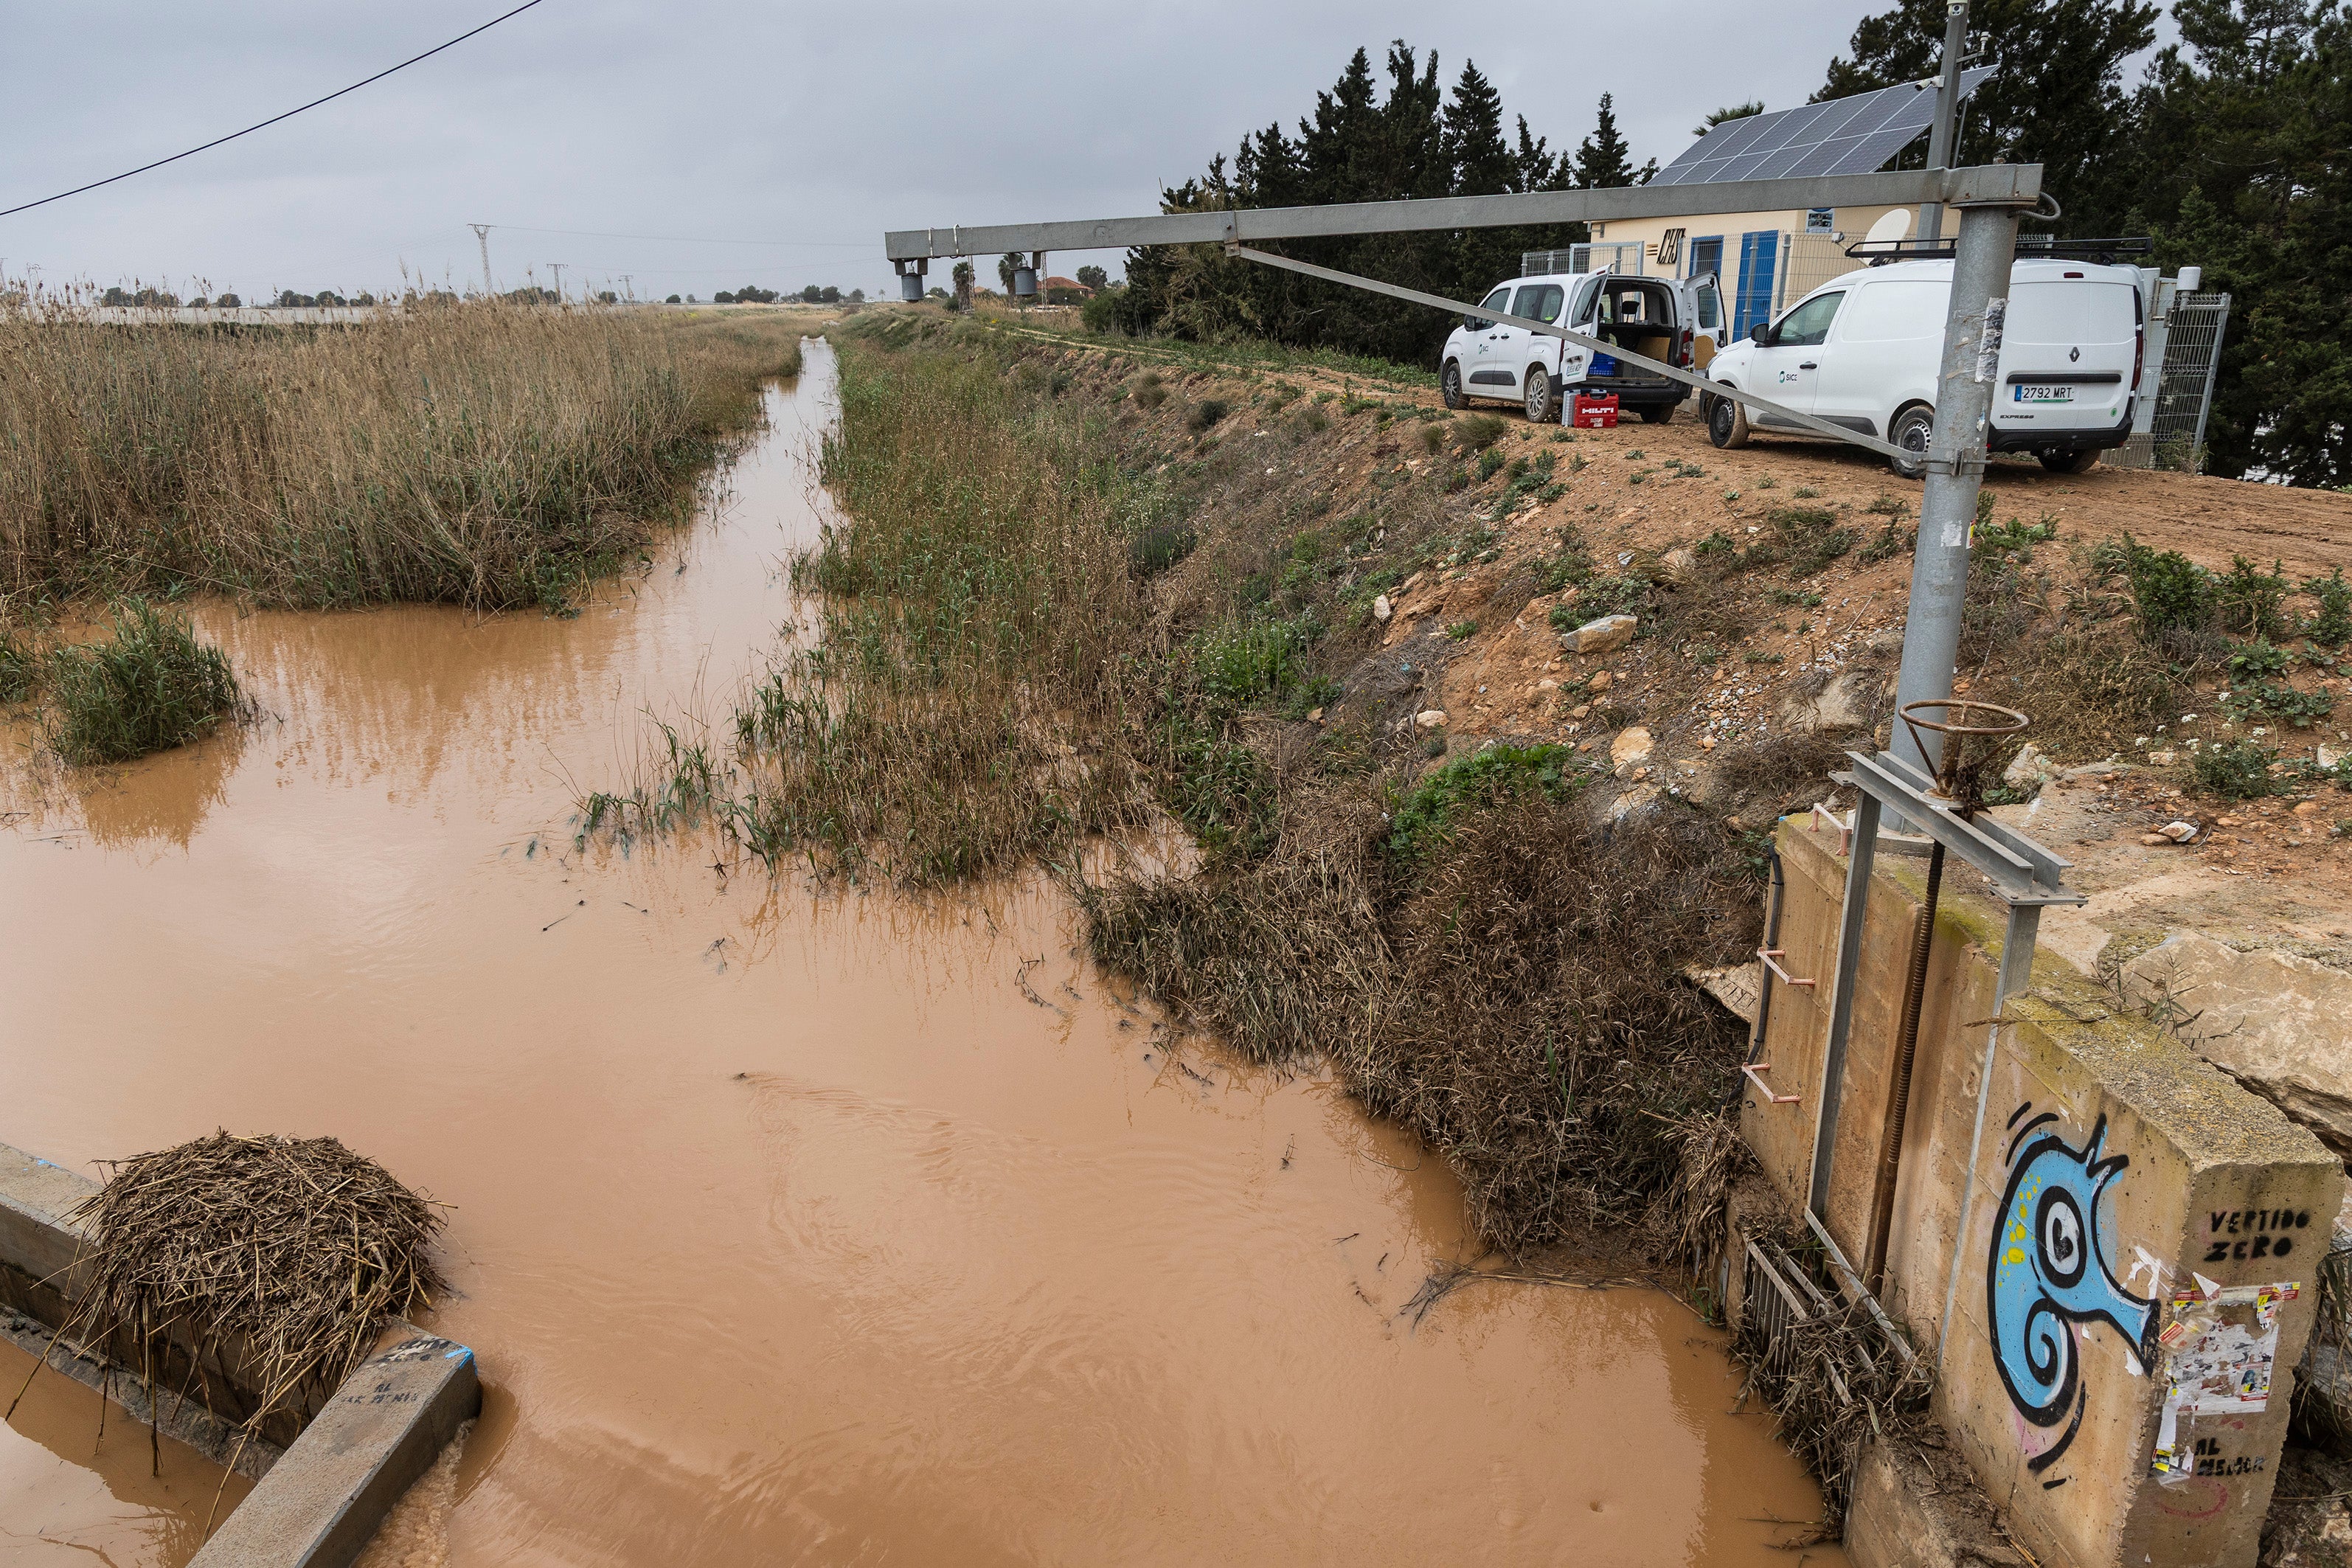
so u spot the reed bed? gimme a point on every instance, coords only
(962, 706)
(486, 455)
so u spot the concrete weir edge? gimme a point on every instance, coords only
(319, 1501)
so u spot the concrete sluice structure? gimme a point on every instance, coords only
(2136, 1275)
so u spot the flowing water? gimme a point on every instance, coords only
(787, 1228)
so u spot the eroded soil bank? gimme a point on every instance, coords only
(787, 1228)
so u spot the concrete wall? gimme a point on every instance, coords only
(2135, 1279)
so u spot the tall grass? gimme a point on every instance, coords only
(151, 688)
(484, 455)
(961, 708)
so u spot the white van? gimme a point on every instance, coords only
(1677, 320)
(1863, 351)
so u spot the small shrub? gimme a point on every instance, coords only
(1150, 391)
(1432, 437)
(1889, 506)
(2249, 601)
(2169, 592)
(1716, 543)
(1462, 631)
(1206, 413)
(1891, 541)
(1809, 536)
(1489, 461)
(2332, 626)
(2276, 699)
(1479, 432)
(1768, 483)
(1311, 421)
(1611, 596)
(1487, 777)
(153, 688)
(1806, 492)
(2257, 660)
(2235, 770)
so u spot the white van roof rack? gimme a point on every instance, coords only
(2030, 247)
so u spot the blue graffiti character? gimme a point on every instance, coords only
(2048, 1272)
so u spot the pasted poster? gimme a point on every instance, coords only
(2220, 1352)
(2048, 1280)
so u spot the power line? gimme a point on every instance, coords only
(527, 5)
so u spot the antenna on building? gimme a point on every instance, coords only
(482, 232)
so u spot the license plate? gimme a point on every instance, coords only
(2033, 392)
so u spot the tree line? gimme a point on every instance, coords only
(2229, 152)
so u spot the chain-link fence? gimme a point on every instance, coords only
(2171, 435)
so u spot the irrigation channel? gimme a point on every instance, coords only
(789, 1226)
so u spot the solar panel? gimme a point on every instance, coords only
(1845, 136)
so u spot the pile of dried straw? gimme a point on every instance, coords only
(280, 1257)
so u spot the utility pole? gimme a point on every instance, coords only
(557, 268)
(482, 232)
(1956, 464)
(1947, 107)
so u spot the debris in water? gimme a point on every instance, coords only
(296, 1252)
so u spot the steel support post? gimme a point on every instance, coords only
(2016, 975)
(1955, 458)
(1849, 964)
(1948, 110)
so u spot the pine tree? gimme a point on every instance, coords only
(1604, 161)
(1475, 153)
(2241, 135)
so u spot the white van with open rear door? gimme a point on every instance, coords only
(1863, 352)
(1678, 321)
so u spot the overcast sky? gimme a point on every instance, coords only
(734, 143)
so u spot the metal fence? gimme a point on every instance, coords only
(1600, 255)
(2170, 432)
(1775, 1295)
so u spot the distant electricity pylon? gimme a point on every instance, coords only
(557, 268)
(482, 232)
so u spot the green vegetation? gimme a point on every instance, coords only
(2234, 770)
(152, 686)
(1490, 776)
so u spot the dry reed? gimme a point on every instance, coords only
(487, 454)
(962, 707)
(278, 1258)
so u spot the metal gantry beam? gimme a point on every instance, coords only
(2005, 184)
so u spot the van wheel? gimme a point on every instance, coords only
(1543, 406)
(1659, 413)
(2068, 462)
(1913, 428)
(1449, 385)
(1726, 422)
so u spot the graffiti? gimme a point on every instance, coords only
(2048, 1271)
(2244, 1234)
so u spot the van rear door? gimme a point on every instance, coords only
(1702, 312)
(2067, 352)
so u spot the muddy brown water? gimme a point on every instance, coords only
(788, 1226)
